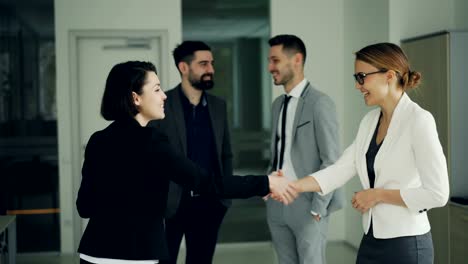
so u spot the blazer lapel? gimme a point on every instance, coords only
(300, 107)
(394, 128)
(365, 146)
(179, 119)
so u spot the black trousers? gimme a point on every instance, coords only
(401, 250)
(199, 219)
(82, 261)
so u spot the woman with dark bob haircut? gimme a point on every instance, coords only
(127, 169)
(398, 158)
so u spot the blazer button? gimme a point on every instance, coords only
(425, 209)
(421, 211)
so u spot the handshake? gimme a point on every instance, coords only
(282, 189)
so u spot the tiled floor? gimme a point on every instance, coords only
(226, 253)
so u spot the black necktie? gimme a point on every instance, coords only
(283, 131)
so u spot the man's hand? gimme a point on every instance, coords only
(280, 189)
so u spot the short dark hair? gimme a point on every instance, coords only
(186, 51)
(124, 78)
(291, 43)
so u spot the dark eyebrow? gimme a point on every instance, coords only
(206, 61)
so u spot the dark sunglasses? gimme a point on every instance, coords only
(359, 77)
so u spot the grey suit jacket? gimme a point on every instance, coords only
(173, 125)
(315, 142)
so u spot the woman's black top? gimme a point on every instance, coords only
(370, 155)
(124, 186)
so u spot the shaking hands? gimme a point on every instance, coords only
(281, 189)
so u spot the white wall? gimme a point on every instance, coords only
(102, 15)
(419, 17)
(320, 25)
(460, 9)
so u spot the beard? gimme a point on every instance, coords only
(285, 77)
(202, 84)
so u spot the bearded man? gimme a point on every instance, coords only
(196, 125)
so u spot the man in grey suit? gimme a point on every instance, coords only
(304, 140)
(196, 125)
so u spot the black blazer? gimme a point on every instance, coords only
(174, 127)
(124, 187)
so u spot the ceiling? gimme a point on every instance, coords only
(225, 19)
(202, 19)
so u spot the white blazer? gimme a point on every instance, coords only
(410, 160)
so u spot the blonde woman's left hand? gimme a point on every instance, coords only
(365, 199)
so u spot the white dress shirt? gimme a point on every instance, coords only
(295, 93)
(115, 261)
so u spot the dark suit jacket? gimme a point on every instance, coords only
(123, 192)
(174, 127)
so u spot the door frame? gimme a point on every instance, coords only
(74, 102)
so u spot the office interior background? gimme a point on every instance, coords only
(55, 56)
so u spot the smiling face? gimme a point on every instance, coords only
(150, 103)
(201, 70)
(280, 65)
(375, 88)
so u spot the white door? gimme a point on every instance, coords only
(95, 58)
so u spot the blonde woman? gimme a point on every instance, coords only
(398, 158)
